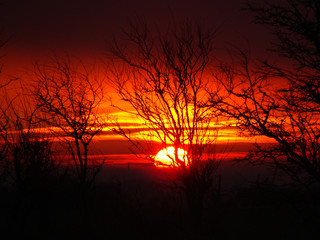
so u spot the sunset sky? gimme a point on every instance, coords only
(85, 29)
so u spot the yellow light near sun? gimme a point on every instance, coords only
(166, 157)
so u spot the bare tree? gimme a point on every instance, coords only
(164, 78)
(70, 95)
(281, 102)
(4, 108)
(32, 159)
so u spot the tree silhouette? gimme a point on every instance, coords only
(33, 161)
(4, 108)
(70, 97)
(287, 112)
(163, 77)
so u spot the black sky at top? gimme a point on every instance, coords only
(85, 27)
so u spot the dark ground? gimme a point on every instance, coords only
(140, 202)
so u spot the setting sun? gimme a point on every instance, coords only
(165, 157)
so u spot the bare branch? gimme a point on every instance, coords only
(69, 96)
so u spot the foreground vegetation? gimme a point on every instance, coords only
(142, 203)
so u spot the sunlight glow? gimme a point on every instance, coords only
(165, 157)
